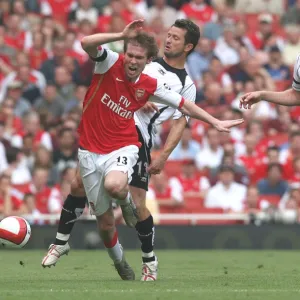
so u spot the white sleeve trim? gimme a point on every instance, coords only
(109, 59)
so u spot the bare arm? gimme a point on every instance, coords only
(172, 141)
(194, 111)
(289, 97)
(90, 43)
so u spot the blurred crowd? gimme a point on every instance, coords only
(44, 74)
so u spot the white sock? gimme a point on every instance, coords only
(114, 249)
(62, 236)
(150, 254)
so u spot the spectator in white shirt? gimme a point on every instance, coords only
(187, 147)
(226, 194)
(227, 47)
(160, 9)
(211, 154)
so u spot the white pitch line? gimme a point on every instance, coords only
(154, 290)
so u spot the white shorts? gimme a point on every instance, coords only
(93, 169)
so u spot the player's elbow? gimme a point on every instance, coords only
(84, 43)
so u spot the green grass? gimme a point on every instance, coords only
(183, 275)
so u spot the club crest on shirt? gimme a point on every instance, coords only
(139, 93)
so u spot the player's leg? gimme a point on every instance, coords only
(72, 209)
(117, 175)
(145, 226)
(109, 236)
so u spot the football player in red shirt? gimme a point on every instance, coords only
(108, 137)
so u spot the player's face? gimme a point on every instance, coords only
(135, 61)
(175, 42)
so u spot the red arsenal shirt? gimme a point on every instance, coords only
(107, 122)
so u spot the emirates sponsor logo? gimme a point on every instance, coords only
(117, 107)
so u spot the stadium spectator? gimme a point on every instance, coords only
(51, 102)
(226, 194)
(273, 184)
(19, 172)
(37, 53)
(220, 75)
(47, 200)
(161, 9)
(199, 12)
(66, 153)
(189, 182)
(166, 193)
(240, 172)
(292, 44)
(83, 11)
(227, 46)
(31, 125)
(275, 67)
(199, 61)
(10, 201)
(15, 36)
(265, 37)
(59, 52)
(252, 200)
(187, 148)
(292, 16)
(211, 154)
(288, 155)
(77, 101)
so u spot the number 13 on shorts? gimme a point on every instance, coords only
(122, 160)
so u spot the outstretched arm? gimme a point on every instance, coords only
(91, 43)
(287, 98)
(190, 109)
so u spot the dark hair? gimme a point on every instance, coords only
(273, 148)
(12, 154)
(63, 131)
(192, 34)
(146, 41)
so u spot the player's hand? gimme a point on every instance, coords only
(133, 28)
(224, 126)
(156, 165)
(149, 107)
(249, 99)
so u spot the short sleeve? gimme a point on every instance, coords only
(166, 96)
(104, 60)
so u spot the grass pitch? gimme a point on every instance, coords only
(84, 275)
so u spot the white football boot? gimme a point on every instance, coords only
(54, 253)
(149, 270)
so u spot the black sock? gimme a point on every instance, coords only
(145, 231)
(72, 209)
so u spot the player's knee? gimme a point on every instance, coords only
(116, 188)
(77, 188)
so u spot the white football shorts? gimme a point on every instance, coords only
(93, 169)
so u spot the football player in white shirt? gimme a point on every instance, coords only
(182, 38)
(289, 97)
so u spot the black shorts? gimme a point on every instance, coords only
(140, 176)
